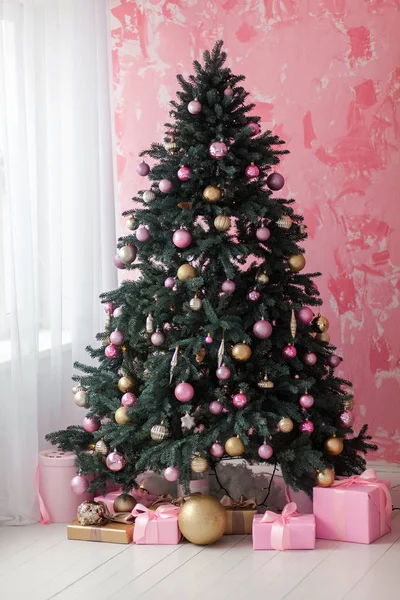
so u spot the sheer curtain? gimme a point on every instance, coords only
(57, 222)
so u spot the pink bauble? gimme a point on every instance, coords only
(182, 238)
(91, 424)
(115, 461)
(171, 473)
(262, 329)
(265, 451)
(165, 186)
(346, 418)
(275, 182)
(305, 315)
(217, 450)
(223, 373)
(254, 296)
(307, 427)
(169, 282)
(184, 173)
(142, 234)
(289, 351)
(310, 359)
(252, 171)
(194, 107)
(312, 290)
(79, 485)
(118, 262)
(109, 307)
(218, 150)
(111, 351)
(262, 234)
(228, 286)
(208, 339)
(215, 407)
(117, 338)
(228, 91)
(184, 392)
(254, 128)
(239, 400)
(306, 400)
(143, 169)
(157, 338)
(334, 361)
(251, 430)
(128, 399)
(118, 312)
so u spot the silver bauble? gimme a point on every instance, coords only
(127, 254)
(148, 196)
(80, 397)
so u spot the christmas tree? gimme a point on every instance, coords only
(214, 352)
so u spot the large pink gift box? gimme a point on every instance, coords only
(287, 531)
(156, 527)
(355, 509)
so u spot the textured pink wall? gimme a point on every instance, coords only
(325, 75)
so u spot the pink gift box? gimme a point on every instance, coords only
(156, 527)
(355, 509)
(288, 531)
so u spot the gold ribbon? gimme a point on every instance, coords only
(242, 504)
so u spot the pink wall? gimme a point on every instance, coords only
(325, 75)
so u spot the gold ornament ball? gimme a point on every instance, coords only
(80, 397)
(296, 262)
(325, 478)
(285, 425)
(186, 272)
(284, 222)
(202, 520)
(320, 324)
(222, 223)
(199, 464)
(159, 433)
(91, 447)
(124, 503)
(131, 222)
(262, 278)
(234, 446)
(121, 417)
(212, 194)
(241, 352)
(334, 446)
(101, 448)
(126, 384)
(323, 337)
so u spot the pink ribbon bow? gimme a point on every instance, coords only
(144, 516)
(44, 513)
(280, 535)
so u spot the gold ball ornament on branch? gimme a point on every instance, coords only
(222, 223)
(234, 446)
(334, 446)
(320, 324)
(212, 194)
(101, 448)
(159, 433)
(80, 397)
(199, 464)
(285, 222)
(262, 278)
(186, 272)
(285, 425)
(241, 352)
(131, 223)
(202, 520)
(296, 262)
(124, 503)
(126, 384)
(121, 416)
(323, 337)
(326, 477)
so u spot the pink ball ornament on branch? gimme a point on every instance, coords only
(334, 361)
(218, 150)
(115, 461)
(171, 473)
(254, 128)
(118, 312)
(307, 427)
(306, 401)
(228, 92)
(346, 418)
(157, 338)
(265, 451)
(128, 400)
(254, 296)
(252, 171)
(239, 400)
(184, 392)
(143, 169)
(194, 107)
(142, 234)
(310, 359)
(184, 173)
(262, 329)
(182, 238)
(217, 450)
(305, 315)
(289, 351)
(111, 351)
(79, 485)
(117, 338)
(169, 282)
(165, 186)
(263, 234)
(118, 262)
(91, 424)
(223, 373)
(228, 286)
(215, 407)
(275, 182)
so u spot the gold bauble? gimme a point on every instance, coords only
(91, 447)
(101, 448)
(200, 356)
(202, 520)
(212, 194)
(325, 478)
(195, 303)
(234, 446)
(126, 384)
(348, 404)
(121, 417)
(284, 222)
(333, 446)
(159, 433)
(131, 222)
(199, 464)
(222, 223)
(241, 352)
(262, 278)
(323, 337)
(296, 262)
(320, 324)
(124, 503)
(186, 272)
(285, 425)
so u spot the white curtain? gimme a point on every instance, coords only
(57, 222)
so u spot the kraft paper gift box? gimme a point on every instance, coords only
(156, 527)
(239, 515)
(354, 509)
(287, 531)
(117, 533)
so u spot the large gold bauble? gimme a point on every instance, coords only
(241, 352)
(284, 222)
(334, 446)
(101, 448)
(131, 223)
(199, 464)
(212, 194)
(202, 520)
(325, 478)
(323, 337)
(262, 278)
(126, 384)
(186, 272)
(222, 223)
(121, 417)
(296, 262)
(285, 425)
(320, 324)
(159, 433)
(234, 446)
(80, 397)
(124, 503)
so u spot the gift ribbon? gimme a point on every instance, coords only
(44, 514)
(144, 516)
(280, 534)
(242, 504)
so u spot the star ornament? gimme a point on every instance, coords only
(187, 421)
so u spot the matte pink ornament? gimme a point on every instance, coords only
(346, 418)
(184, 173)
(182, 238)
(128, 399)
(115, 461)
(215, 407)
(313, 290)
(118, 262)
(254, 128)
(307, 427)
(194, 107)
(157, 338)
(79, 485)
(228, 92)
(118, 312)
(142, 234)
(217, 450)
(262, 234)
(208, 339)
(252, 171)
(275, 182)
(184, 392)
(169, 282)
(262, 329)
(143, 169)
(305, 315)
(111, 351)
(289, 351)
(310, 359)
(334, 361)
(165, 186)
(265, 451)
(254, 296)
(91, 424)
(218, 150)
(228, 286)
(306, 400)
(239, 400)
(223, 373)
(117, 338)
(109, 307)
(171, 473)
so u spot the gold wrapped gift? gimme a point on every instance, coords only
(239, 515)
(116, 533)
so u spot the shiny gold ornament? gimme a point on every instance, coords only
(91, 447)
(126, 384)
(285, 425)
(124, 348)
(296, 262)
(186, 272)
(212, 194)
(284, 222)
(334, 446)
(199, 464)
(265, 384)
(325, 478)
(222, 223)
(170, 146)
(121, 417)
(241, 352)
(234, 446)
(101, 448)
(348, 404)
(262, 278)
(202, 520)
(293, 324)
(80, 397)
(187, 205)
(195, 303)
(124, 503)
(323, 337)
(159, 433)
(320, 324)
(131, 222)
(200, 356)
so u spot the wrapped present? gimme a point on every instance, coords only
(287, 531)
(117, 533)
(239, 515)
(156, 527)
(354, 509)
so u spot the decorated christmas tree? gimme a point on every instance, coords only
(214, 351)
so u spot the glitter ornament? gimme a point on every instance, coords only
(195, 303)
(346, 418)
(184, 392)
(182, 238)
(212, 194)
(170, 146)
(171, 473)
(184, 173)
(252, 171)
(165, 186)
(223, 373)
(289, 351)
(91, 424)
(306, 400)
(320, 324)
(111, 351)
(333, 361)
(169, 282)
(239, 400)
(149, 323)
(117, 338)
(186, 272)
(263, 234)
(241, 352)
(157, 338)
(142, 234)
(306, 427)
(262, 278)
(148, 196)
(143, 169)
(254, 296)
(115, 461)
(218, 150)
(262, 329)
(310, 359)
(194, 107)
(128, 399)
(305, 315)
(265, 383)
(275, 182)
(228, 286)
(265, 451)
(215, 407)
(79, 485)
(254, 128)
(217, 450)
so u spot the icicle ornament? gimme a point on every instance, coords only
(221, 350)
(149, 323)
(174, 362)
